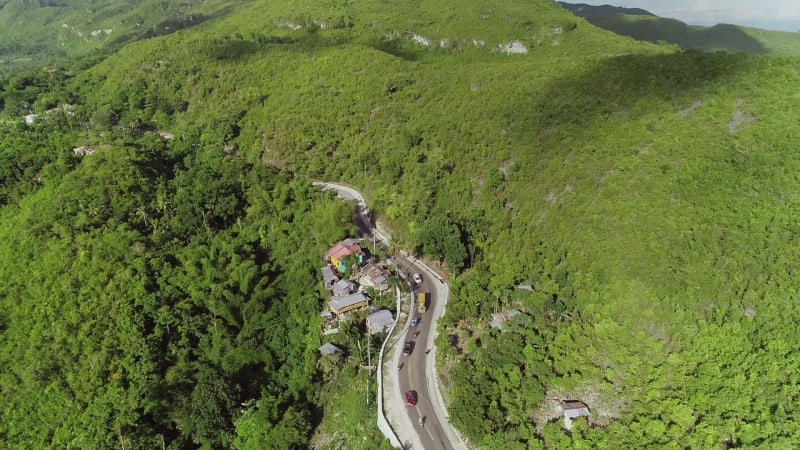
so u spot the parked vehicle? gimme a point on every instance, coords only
(415, 321)
(411, 398)
(422, 302)
(417, 278)
(408, 348)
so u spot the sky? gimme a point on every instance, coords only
(783, 15)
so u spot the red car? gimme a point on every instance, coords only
(411, 398)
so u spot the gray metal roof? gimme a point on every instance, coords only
(339, 303)
(330, 349)
(343, 287)
(380, 320)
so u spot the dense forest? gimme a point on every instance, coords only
(166, 288)
(156, 293)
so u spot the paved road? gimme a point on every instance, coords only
(416, 371)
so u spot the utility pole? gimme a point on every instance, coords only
(369, 364)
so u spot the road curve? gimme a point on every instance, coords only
(418, 370)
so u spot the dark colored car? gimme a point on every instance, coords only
(408, 348)
(411, 398)
(415, 321)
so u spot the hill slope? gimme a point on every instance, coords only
(647, 196)
(643, 25)
(37, 33)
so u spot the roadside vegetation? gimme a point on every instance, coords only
(646, 194)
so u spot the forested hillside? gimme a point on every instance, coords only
(156, 294)
(647, 195)
(49, 32)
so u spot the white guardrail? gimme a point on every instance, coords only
(383, 424)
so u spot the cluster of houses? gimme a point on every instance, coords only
(30, 119)
(345, 276)
(347, 296)
(84, 150)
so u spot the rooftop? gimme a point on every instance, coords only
(499, 318)
(347, 301)
(375, 272)
(380, 321)
(329, 276)
(343, 287)
(573, 404)
(341, 251)
(330, 349)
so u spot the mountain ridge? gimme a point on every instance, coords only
(643, 25)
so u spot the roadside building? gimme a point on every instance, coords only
(347, 303)
(374, 276)
(572, 410)
(379, 321)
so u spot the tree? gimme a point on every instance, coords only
(442, 238)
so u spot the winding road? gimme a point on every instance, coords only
(417, 371)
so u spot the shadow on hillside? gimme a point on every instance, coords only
(724, 37)
(168, 26)
(395, 47)
(231, 49)
(238, 47)
(578, 101)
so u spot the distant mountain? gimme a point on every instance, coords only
(584, 10)
(646, 26)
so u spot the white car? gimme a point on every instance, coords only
(417, 278)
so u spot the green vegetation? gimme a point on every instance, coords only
(157, 294)
(55, 33)
(644, 26)
(648, 195)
